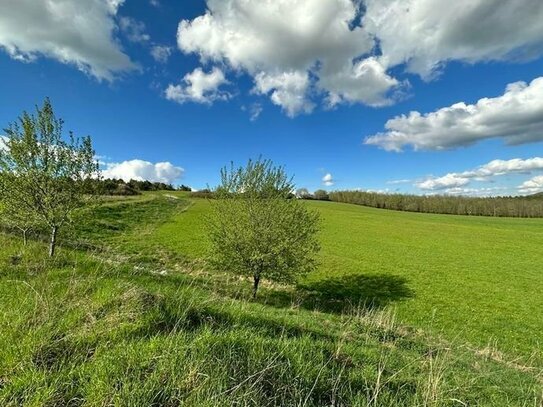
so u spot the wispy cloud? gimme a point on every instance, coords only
(199, 87)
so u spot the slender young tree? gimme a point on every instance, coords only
(256, 229)
(43, 174)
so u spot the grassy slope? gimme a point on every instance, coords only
(478, 278)
(107, 328)
(475, 278)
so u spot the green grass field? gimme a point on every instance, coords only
(476, 278)
(405, 309)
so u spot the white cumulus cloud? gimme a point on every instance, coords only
(291, 39)
(365, 81)
(532, 186)
(79, 33)
(328, 180)
(199, 87)
(141, 170)
(346, 47)
(503, 167)
(425, 34)
(516, 116)
(447, 181)
(288, 90)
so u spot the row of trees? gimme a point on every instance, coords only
(300, 193)
(133, 187)
(319, 194)
(455, 205)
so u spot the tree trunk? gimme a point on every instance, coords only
(53, 242)
(255, 284)
(24, 237)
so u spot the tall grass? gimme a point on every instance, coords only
(80, 330)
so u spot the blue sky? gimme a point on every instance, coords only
(324, 78)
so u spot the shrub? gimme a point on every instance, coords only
(256, 230)
(321, 195)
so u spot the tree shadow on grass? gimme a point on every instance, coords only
(336, 294)
(344, 292)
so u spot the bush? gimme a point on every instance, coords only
(255, 230)
(321, 195)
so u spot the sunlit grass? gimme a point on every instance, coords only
(138, 320)
(478, 279)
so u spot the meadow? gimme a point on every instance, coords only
(478, 278)
(405, 309)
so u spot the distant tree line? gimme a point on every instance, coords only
(319, 194)
(133, 187)
(301, 193)
(522, 207)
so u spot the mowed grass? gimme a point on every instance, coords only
(133, 317)
(471, 278)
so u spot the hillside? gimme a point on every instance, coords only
(539, 195)
(405, 309)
